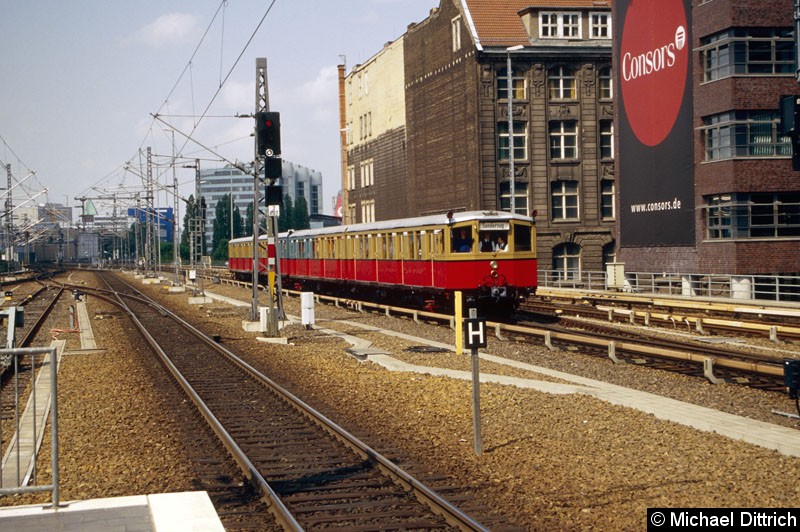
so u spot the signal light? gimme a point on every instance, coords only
(268, 134)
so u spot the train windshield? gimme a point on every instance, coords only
(494, 236)
(522, 238)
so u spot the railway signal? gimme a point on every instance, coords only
(268, 134)
(268, 143)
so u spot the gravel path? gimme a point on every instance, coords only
(549, 462)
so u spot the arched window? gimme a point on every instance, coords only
(567, 261)
(609, 254)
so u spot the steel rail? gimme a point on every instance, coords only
(451, 513)
(279, 510)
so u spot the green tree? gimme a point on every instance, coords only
(191, 212)
(221, 229)
(300, 217)
(286, 216)
(248, 219)
(238, 226)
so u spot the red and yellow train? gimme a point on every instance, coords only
(489, 256)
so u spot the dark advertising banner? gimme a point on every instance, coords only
(653, 63)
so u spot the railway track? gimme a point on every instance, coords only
(742, 320)
(713, 362)
(312, 473)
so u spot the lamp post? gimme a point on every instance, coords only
(510, 87)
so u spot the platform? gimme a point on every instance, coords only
(782, 439)
(165, 512)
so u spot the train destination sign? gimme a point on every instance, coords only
(493, 226)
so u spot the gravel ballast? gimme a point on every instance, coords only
(567, 462)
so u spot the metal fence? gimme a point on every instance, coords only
(32, 373)
(785, 288)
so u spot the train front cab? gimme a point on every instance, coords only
(492, 261)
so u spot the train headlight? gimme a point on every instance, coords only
(493, 265)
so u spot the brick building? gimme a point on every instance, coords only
(712, 193)
(744, 197)
(434, 136)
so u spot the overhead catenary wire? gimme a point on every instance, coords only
(196, 119)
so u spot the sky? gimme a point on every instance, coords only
(80, 81)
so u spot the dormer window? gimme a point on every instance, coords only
(559, 25)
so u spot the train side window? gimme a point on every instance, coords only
(380, 252)
(437, 245)
(391, 238)
(361, 247)
(423, 245)
(461, 239)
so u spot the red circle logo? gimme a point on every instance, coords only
(653, 61)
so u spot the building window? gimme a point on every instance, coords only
(559, 25)
(607, 199)
(520, 197)
(564, 140)
(609, 254)
(774, 215)
(520, 141)
(719, 216)
(564, 200)
(367, 178)
(600, 25)
(518, 84)
(606, 84)
(365, 125)
(455, 26)
(367, 211)
(567, 261)
(745, 134)
(753, 215)
(561, 83)
(314, 207)
(748, 51)
(606, 139)
(351, 177)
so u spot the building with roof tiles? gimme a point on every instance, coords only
(445, 136)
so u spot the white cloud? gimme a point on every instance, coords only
(173, 28)
(321, 90)
(239, 96)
